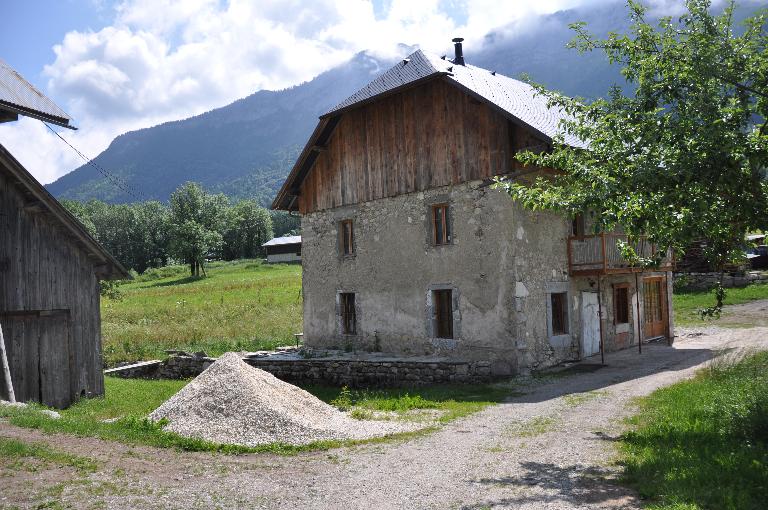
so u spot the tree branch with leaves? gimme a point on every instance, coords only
(683, 155)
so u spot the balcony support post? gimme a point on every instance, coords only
(639, 322)
(600, 318)
(602, 245)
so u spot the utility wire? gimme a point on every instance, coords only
(117, 181)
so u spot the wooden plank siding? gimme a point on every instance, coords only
(429, 136)
(49, 305)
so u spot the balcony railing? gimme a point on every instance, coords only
(599, 254)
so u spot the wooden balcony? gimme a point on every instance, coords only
(598, 254)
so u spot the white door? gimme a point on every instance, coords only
(590, 324)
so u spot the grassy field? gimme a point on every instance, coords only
(686, 303)
(703, 443)
(242, 305)
(247, 305)
(121, 414)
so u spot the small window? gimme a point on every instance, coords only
(441, 229)
(621, 304)
(559, 303)
(577, 227)
(442, 302)
(348, 314)
(347, 238)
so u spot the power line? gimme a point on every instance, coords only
(116, 180)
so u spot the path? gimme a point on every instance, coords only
(550, 448)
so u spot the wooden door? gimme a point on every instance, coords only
(590, 324)
(39, 355)
(655, 304)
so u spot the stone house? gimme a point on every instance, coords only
(408, 249)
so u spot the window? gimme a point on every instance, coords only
(347, 312)
(442, 303)
(577, 227)
(559, 302)
(347, 242)
(621, 303)
(441, 229)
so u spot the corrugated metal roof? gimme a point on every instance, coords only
(514, 97)
(17, 95)
(278, 241)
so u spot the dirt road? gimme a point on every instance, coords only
(550, 448)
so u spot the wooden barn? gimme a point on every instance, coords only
(50, 268)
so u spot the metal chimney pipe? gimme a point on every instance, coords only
(459, 58)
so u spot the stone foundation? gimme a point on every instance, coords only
(354, 373)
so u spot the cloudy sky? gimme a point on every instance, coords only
(120, 65)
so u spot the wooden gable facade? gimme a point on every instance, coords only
(50, 269)
(427, 136)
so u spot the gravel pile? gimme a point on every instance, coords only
(232, 402)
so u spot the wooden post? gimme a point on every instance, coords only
(600, 319)
(639, 324)
(6, 368)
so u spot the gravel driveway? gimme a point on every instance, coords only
(550, 448)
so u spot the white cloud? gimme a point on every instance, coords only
(164, 60)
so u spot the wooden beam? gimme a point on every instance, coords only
(34, 206)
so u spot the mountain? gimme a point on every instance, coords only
(246, 149)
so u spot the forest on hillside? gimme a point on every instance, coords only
(194, 227)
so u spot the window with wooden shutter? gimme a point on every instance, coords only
(559, 309)
(348, 314)
(442, 302)
(621, 303)
(347, 241)
(441, 227)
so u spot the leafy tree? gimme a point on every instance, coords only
(284, 223)
(83, 215)
(153, 235)
(198, 220)
(249, 227)
(683, 155)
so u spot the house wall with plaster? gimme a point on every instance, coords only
(500, 265)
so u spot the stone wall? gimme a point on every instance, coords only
(336, 372)
(499, 265)
(395, 268)
(705, 281)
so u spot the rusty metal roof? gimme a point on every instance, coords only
(19, 97)
(513, 97)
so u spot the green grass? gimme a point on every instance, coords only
(533, 427)
(13, 453)
(241, 305)
(451, 401)
(703, 443)
(686, 303)
(577, 399)
(129, 401)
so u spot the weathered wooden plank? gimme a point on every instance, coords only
(430, 136)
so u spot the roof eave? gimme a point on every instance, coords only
(279, 203)
(386, 93)
(499, 109)
(36, 114)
